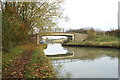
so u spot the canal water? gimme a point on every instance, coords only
(85, 63)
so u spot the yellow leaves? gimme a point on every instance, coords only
(36, 74)
(11, 9)
(43, 77)
(5, 69)
(21, 74)
(22, 25)
(34, 64)
(28, 46)
(13, 73)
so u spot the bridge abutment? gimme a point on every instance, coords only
(80, 37)
(38, 40)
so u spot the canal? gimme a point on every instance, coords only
(83, 62)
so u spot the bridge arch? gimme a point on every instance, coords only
(76, 37)
(55, 34)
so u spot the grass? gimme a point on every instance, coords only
(27, 61)
(99, 41)
(105, 39)
(14, 53)
(8, 60)
(40, 66)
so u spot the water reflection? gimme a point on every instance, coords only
(88, 63)
(58, 68)
(92, 53)
(99, 68)
(53, 49)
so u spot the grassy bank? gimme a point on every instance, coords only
(27, 61)
(98, 41)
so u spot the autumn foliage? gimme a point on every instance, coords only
(14, 30)
(21, 58)
(21, 18)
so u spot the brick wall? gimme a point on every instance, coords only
(80, 37)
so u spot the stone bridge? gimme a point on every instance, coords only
(75, 37)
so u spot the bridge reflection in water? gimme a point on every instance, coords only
(61, 56)
(83, 54)
(64, 61)
(86, 62)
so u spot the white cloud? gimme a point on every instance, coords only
(91, 13)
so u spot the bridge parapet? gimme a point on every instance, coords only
(55, 30)
(72, 36)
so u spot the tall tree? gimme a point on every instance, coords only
(20, 18)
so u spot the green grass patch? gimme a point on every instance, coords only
(98, 41)
(13, 53)
(105, 38)
(39, 67)
(8, 59)
(16, 50)
(111, 44)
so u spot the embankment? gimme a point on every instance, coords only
(27, 61)
(112, 44)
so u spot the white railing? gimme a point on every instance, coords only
(55, 30)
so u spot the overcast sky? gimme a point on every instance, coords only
(100, 14)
